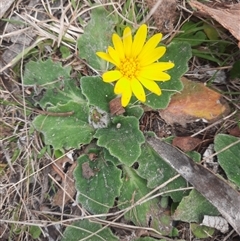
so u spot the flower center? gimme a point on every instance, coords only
(129, 67)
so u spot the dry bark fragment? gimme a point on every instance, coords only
(228, 16)
(219, 193)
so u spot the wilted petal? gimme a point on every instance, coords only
(139, 40)
(111, 76)
(138, 90)
(127, 41)
(152, 56)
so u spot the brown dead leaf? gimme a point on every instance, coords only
(235, 131)
(164, 14)
(228, 16)
(87, 171)
(186, 143)
(61, 198)
(195, 101)
(116, 107)
(141, 233)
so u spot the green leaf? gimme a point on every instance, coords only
(192, 34)
(194, 39)
(211, 32)
(35, 232)
(97, 92)
(235, 71)
(134, 110)
(65, 51)
(207, 54)
(45, 74)
(229, 158)
(97, 37)
(153, 168)
(100, 94)
(193, 207)
(123, 139)
(68, 91)
(196, 156)
(146, 214)
(65, 131)
(179, 53)
(111, 158)
(97, 192)
(201, 231)
(82, 229)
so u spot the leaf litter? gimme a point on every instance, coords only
(159, 24)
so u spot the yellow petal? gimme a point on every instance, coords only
(150, 85)
(111, 76)
(126, 97)
(154, 71)
(106, 57)
(127, 41)
(118, 45)
(138, 90)
(139, 40)
(151, 44)
(157, 76)
(163, 77)
(162, 66)
(152, 56)
(114, 55)
(121, 85)
(159, 66)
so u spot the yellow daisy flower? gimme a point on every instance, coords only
(136, 66)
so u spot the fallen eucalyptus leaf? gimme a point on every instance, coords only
(195, 101)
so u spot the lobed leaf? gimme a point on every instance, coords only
(68, 91)
(200, 206)
(123, 139)
(68, 131)
(97, 37)
(229, 158)
(97, 192)
(80, 230)
(153, 168)
(45, 74)
(147, 214)
(97, 92)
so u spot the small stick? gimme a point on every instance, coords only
(69, 113)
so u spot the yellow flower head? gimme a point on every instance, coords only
(136, 66)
